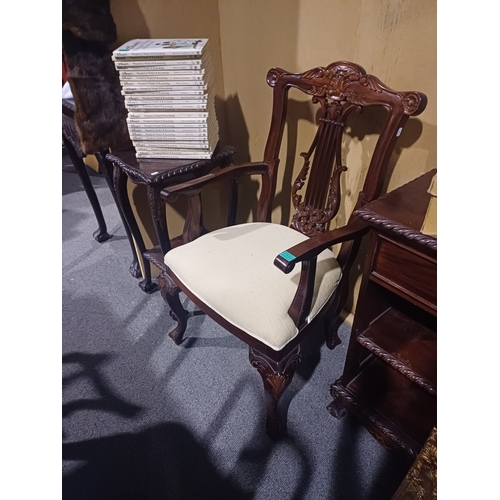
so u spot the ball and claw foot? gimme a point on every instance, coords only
(148, 286)
(333, 340)
(135, 269)
(336, 408)
(177, 333)
(101, 236)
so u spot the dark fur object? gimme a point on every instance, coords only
(90, 20)
(100, 116)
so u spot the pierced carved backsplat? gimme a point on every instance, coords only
(321, 201)
(339, 88)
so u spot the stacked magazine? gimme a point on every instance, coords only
(168, 87)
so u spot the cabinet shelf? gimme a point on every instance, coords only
(405, 344)
(389, 381)
(396, 411)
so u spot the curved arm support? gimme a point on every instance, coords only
(307, 252)
(193, 188)
(311, 248)
(301, 304)
(196, 185)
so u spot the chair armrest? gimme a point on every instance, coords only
(192, 189)
(306, 252)
(309, 249)
(230, 172)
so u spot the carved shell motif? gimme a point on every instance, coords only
(335, 80)
(276, 377)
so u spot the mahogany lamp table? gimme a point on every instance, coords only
(156, 175)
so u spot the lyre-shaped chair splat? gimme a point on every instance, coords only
(322, 198)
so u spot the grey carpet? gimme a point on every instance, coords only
(146, 419)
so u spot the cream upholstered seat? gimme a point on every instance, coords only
(241, 283)
(272, 285)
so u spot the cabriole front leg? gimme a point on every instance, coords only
(170, 293)
(276, 376)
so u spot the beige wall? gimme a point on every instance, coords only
(396, 41)
(393, 39)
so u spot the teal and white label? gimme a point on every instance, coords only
(287, 256)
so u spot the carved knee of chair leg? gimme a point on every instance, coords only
(276, 376)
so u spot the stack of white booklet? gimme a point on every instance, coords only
(168, 86)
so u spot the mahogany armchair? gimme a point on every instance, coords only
(245, 276)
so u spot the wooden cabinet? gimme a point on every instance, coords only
(390, 374)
